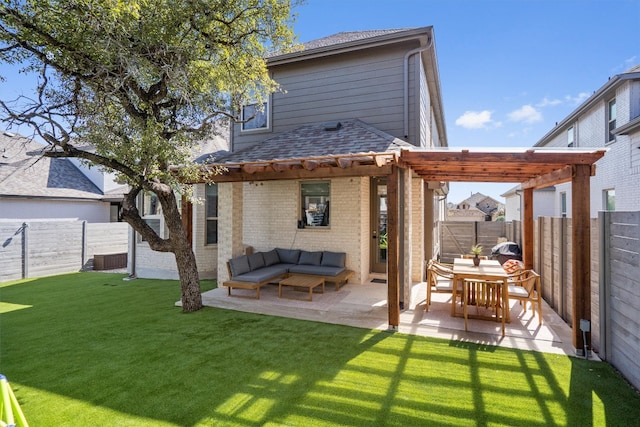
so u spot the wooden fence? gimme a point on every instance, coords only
(42, 248)
(620, 292)
(457, 237)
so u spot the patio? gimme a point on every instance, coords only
(365, 306)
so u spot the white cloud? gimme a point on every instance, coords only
(546, 102)
(578, 99)
(526, 114)
(475, 119)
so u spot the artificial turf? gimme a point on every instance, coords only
(91, 349)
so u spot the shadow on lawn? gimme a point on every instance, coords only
(122, 346)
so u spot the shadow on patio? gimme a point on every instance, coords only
(365, 306)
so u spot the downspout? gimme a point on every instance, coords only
(406, 82)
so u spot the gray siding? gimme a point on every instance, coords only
(367, 85)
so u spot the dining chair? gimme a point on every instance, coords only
(525, 287)
(487, 295)
(470, 256)
(439, 279)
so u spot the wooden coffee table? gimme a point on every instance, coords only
(307, 282)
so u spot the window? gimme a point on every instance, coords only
(151, 211)
(611, 118)
(609, 200)
(570, 137)
(212, 214)
(257, 117)
(563, 205)
(315, 203)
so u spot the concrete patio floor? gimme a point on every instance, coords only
(365, 306)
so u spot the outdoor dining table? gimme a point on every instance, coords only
(492, 277)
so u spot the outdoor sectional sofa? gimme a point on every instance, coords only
(261, 268)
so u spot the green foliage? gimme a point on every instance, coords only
(476, 250)
(141, 81)
(384, 241)
(117, 352)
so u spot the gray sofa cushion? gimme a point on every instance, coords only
(239, 265)
(262, 274)
(316, 269)
(333, 259)
(288, 256)
(310, 258)
(271, 257)
(256, 261)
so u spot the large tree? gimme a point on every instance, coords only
(141, 82)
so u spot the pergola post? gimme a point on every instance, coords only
(393, 259)
(581, 253)
(527, 228)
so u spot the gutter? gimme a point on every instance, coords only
(406, 82)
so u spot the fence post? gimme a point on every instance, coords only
(25, 250)
(83, 259)
(604, 218)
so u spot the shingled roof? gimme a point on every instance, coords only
(349, 36)
(25, 172)
(318, 145)
(347, 137)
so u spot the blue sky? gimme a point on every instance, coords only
(509, 70)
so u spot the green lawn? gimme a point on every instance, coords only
(91, 349)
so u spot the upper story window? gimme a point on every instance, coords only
(212, 214)
(570, 137)
(256, 116)
(611, 119)
(609, 200)
(315, 203)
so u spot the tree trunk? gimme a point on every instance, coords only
(188, 271)
(181, 248)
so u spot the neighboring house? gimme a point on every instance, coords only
(310, 170)
(476, 207)
(610, 118)
(543, 203)
(33, 186)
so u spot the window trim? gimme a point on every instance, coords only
(605, 199)
(571, 136)
(164, 230)
(304, 215)
(208, 218)
(611, 123)
(266, 111)
(156, 216)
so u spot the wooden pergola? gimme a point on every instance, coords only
(533, 169)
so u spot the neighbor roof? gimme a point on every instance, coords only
(24, 172)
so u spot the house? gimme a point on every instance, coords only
(476, 207)
(33, 186)
(349, 156)
(310, 169)
(543, 203)
(610, 118)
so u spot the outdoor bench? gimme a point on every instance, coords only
(261, 268)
